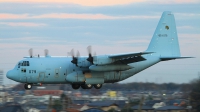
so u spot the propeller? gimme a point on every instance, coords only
(46, 52)
(74, 58)
(78, 54)
(90, 58)
(31, 52)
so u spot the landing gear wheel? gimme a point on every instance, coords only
(75, 86)
(97, 86)
(27, 86)
(83, 87)
(89, 86)
(86, 86)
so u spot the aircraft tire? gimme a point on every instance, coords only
(75, 86)
(87, 86)
(83, 87)
(27, 86)
(97, 86)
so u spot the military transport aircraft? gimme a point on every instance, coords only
(93, 71)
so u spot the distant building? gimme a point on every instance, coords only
(47, 90)
(104, 105)
(1, 77)
(94, 110)
(78, 107)
(143, 108)
(171, 109)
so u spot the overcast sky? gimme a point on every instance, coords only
(110, 26)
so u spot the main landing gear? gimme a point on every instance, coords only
(86, 86)
(28, 86)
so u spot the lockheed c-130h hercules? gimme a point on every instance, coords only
(93, 71)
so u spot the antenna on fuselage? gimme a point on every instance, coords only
(46, 52)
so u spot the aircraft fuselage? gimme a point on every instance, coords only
(55, 70)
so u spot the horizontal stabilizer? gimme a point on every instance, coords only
(172, 58)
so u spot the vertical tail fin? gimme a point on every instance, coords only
(165, 40)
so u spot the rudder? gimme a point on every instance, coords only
(165, 40)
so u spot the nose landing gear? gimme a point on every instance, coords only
(28, 86)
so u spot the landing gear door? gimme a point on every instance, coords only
(56, 73)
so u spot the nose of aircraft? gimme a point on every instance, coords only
(9, 74)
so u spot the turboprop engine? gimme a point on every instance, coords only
(82, 62)
(102, 60)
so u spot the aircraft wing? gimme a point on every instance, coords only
(129, 58)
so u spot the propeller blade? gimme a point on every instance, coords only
(31, 52)
(74, 59)
(72, 53)
(78, 54)
(90, 58)
(89, 49)
(46, 52)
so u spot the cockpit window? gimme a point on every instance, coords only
(19, 65)
(24, 63)
(27, 63)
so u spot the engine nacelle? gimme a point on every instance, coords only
(82, 62)
(102, 60)
(106, 68)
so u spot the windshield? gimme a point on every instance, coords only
(24, 63)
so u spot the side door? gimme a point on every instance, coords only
(41, 76)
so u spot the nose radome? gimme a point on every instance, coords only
(9, 74)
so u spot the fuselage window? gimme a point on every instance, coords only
(19, 64)
(23, 70)
(23, 64)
